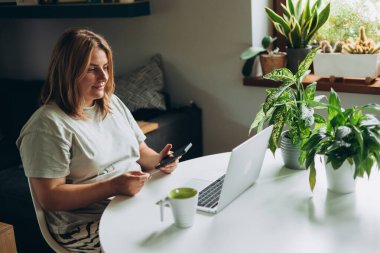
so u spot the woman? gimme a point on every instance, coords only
(82, 145)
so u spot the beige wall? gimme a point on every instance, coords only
(200, 41)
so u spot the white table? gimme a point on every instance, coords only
(278, 214)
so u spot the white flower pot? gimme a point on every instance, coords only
(347, 65)
(342, 179)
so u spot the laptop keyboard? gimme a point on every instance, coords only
(209, 196)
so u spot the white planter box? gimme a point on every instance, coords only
(347, 65)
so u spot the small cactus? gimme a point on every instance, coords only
(362, 45)
(325, 46)
(362, 34)
(327, 49)
(338, 47)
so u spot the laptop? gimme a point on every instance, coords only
(242, 172)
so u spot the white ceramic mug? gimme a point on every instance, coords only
(183, 202)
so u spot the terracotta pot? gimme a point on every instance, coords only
(270, 62)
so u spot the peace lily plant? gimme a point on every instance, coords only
(289, 104)
(348, 134)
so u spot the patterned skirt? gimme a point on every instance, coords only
(84, 239)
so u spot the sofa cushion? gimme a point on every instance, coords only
(143, 88)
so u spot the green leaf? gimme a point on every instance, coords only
(319, 119)
(280, 29)
(375, 107)
(370, 121)
(307, 115)
(322, 18)
(310, 158)
(272, 145)
(277, 19)
(289, 4)
(319, 98)
(295, 33)
(283, 75)
(274, 96)
(247, 67)
(260, 117)
(305, 64)
(338, 120)
(359, 138)
(287, 13)
(310, 91)
(251, 52)
(279, 121)
(367, 164)
(302, 157)
(269, 102)
(314, 22)
(298, 9)
(354, 115)
(374, 139)
(336, 163)
(377, 158)
(309, 28)
(316, 5)
(313, 141)
(312, 177)
(342, 132)
(333, 146)
(306, 12)
(334, 105)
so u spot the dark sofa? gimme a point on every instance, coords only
(18, 100)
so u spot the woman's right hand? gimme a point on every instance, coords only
(130, 183)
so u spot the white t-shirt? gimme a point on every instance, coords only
(55, 145)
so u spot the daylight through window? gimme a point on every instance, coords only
(347, 16)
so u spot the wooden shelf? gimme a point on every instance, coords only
(324, 84)
(105, 10)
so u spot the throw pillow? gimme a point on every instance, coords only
(143, 87)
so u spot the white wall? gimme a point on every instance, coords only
(200, 42)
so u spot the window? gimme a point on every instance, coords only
(346, 16)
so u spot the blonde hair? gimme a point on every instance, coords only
(68, 64)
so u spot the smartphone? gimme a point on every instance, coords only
(177, 153)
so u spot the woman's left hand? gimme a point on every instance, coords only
(170, 167)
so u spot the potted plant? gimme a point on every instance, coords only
(269, 59)
(349, 142)
(298, 24)
(357, 59)
(289, 106)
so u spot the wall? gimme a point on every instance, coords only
(200, 42)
